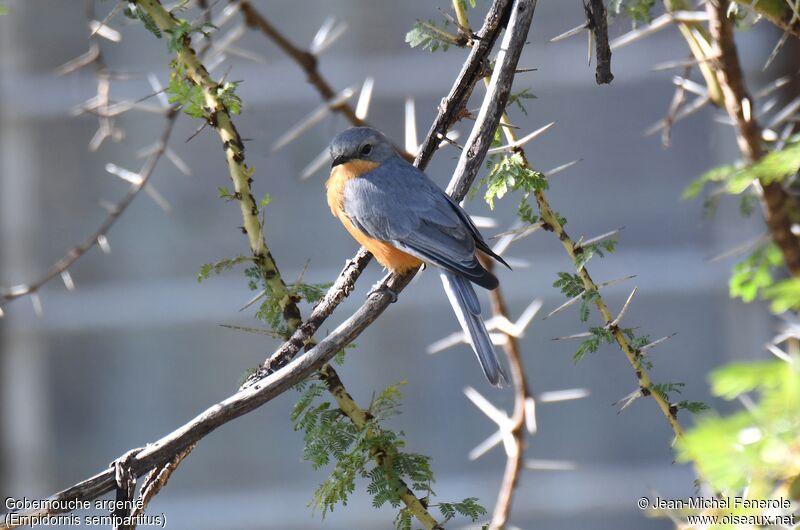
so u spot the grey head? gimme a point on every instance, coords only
(360, 143)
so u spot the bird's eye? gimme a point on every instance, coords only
(366, 149)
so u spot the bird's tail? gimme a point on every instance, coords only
(468, 311)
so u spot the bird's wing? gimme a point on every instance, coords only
(399, 204)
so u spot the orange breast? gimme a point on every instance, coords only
(389, 256)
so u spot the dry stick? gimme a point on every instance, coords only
(115, 212)
(299, 369)
(776, 202)
(597, 20)
(514, 462)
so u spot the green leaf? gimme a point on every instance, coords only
(570, 285)
(639, 11)
(518, 97)
(755, 273)
(227, 96)
(591, 345)
(220, 266)
(512, 174)
(717, 174)
(265, 200)
(785, 295)
(738, 378)
(185, 93)
(430, 37)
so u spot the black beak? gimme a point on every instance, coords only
(341, 159)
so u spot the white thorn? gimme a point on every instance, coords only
(337, 32)
(656, 342)
(245, 54)
(177, 161)
(104, 31)
(315, 164)
(565, 305)
(617, 320)
(690, 86)
(630, 398)
(558, 169)
(550, 465)
(411, 143)
(364, 98)
(483, 222)
(658, 24)
(697, 104)
(2, 313)
(486, 445)
(779, 353)
(124, 174)
(506, 238)
(570, 32)
(595, 239)
(590, 41)
(215, 61)
(555, 396)
(316, 116)
(738, 249)
(785, 113)
(158, 88)
(530, 414)
(524, 140)
(581, 335)
(483, 404)
(321, 34)
(447, 342)
(773, 86)
(775, 50)
(746, 110)
(36, 301)
(102, 242)
(66, 277)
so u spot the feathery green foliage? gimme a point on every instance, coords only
(429, 36)
(753, 275)
(639, 11)
(755, 448)
(369, 452)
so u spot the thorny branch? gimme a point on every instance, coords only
(514, 458)
(261, 391)
(307, 60)
(739, 105)
(99, 105)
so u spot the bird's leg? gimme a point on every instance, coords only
(379, 288)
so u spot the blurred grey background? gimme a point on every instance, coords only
(137, 349)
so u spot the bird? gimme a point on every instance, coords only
(405, 220)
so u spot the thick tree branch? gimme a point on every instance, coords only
(778, 205)
(262, 391)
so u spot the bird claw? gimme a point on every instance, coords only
(379, 288)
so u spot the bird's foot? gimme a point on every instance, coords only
(379, 288)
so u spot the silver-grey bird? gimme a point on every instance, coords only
(405, 219)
